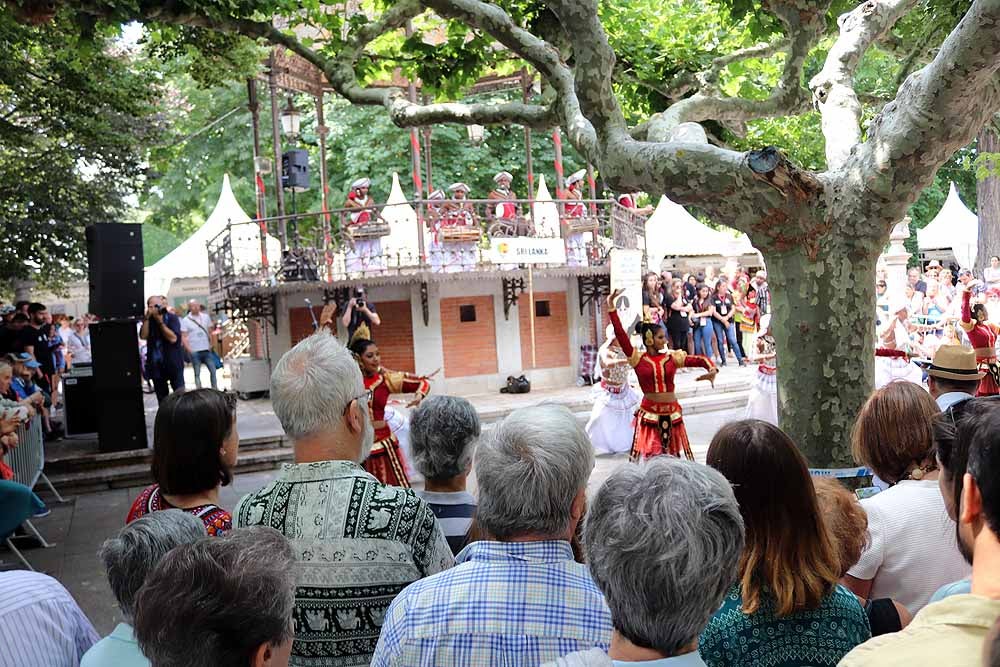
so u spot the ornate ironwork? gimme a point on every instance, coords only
(592, 288)
(250, 306)
(423, 303)
(512, 288)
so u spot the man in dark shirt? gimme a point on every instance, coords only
(358, 311)
(35, 339)
(164, 353)
(10, 335)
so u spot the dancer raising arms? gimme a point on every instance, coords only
(386, 460)
(982, 335)
(659, 425)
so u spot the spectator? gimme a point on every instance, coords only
(847, 526)
(128, 559)
(787, 605)
(663, 540)
(363, 541)
(198, 338)
(358, 312)
(532, 469)
(953, 375)
(678, 319)
(763, 291)
(35, 341)
(652, 308)
(725, 329)
(164, 352)
(220, 603)
(703, 316)
(913, 280)
(40, 623)
(952, 631)
(78, 343)
(991, 274)
(13, 334)
(22, 306)
(911, 553)
(195, 442)
(443, 434)
(690, 287)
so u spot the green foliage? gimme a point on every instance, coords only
(75, 114)
(156, 244)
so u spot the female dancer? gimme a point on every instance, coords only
(983, 336)
(659, 426)
(610, 425)
(763, 401)
(386, 460)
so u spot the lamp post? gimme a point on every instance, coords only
(476, 134)
(290, 120)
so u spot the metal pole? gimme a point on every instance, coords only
(279, 194)
(411, 92)
(321, 130)
(525, 90)
(254, 106)
(593, 191)
(531, 313)
(557, 141)
(428, 164)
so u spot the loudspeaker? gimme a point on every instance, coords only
(80, 400)
(295, 170)
(114, 258)
(121, 415)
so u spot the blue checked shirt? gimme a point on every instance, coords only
(505, 603)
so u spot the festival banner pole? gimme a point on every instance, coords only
(531, 313)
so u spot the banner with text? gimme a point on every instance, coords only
(526, 250)
(626, 274)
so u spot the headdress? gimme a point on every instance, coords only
(455, 187)
(575, 177)
(362, 332)
(503, 174)
(361, 183)
(437, 194)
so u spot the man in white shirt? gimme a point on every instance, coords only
(198, 338)
(78, 342)
(953, 375)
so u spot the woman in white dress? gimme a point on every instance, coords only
(763, 401)
(610, 426)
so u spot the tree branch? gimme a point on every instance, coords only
(833, 88)
(938, 110)
(762, 50)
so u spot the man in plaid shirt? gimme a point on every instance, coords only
(517, 598)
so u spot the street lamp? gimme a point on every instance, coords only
(476, 134)
(290, 119)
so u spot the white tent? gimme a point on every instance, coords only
(190, 258)
(671, 230)
(954, 228)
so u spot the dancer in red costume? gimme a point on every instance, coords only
(983, 336)
(386, 459)
(659, 424)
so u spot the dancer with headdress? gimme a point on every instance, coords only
(610, 425)
(574, 210)
(365, 255)
(659, 422)
(982, 335)
(459, 215)
(386, 459)
(763, 401)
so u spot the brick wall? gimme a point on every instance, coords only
(300, 324)
(395, 335)
(551, 333)
(470, 348)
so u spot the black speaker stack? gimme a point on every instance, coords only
(114, 254)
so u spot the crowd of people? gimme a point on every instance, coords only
(747, 560)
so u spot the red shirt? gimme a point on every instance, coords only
(655, 371)
(385, 383)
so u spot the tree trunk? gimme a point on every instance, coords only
(822, 324)
(988, 202)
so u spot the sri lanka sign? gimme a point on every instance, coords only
(526, 250)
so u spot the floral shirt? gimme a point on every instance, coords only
(217, 520)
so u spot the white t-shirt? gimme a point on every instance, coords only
(78, 345)
(197, 336)
(991, 276)
(912, 551)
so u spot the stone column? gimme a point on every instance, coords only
(23, 289)
(895, 259)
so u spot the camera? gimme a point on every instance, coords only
(359, 303)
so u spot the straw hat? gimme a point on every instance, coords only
(954, 362)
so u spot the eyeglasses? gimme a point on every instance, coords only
(367, 395)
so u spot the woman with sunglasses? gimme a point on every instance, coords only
(386, 461)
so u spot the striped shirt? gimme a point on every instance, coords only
(40, 623)
(505, 603)
(454, 511)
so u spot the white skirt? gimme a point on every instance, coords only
(763, 401)
(610, 427)
(576, 250)
(366, 257)
(400, 426)
(890, 369)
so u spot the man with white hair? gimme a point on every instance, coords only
(198, 336)
(683, 531)
(357, 542)
(517, 597)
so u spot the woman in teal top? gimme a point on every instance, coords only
(787, 609)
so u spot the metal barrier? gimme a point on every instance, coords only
(28, 458)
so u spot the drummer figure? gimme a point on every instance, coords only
(458, 212)
(507, 208)
(573, 210)
(628, 200)
(366, 254)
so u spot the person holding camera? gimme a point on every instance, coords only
(164, 351)
(359, 311)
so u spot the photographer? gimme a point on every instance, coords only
(164, 352)
(360, 311)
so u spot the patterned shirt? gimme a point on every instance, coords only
(454, 511)
(506, 603)
(217, 521)
(358, 543)
(817, 637)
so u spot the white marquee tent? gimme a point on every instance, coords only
(954, 228)
(672, 231)
(190, 258)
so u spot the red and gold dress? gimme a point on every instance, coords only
(659, 425)
(983, 336)
(386, 459)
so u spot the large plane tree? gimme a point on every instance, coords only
(821, 230)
